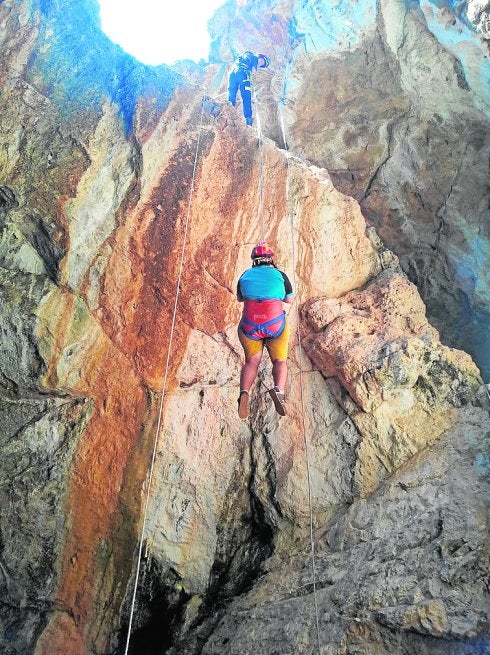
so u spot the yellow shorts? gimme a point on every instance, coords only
(277, 348)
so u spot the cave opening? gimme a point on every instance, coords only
(165, 616)
(159, 33)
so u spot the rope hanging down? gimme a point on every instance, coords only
(164, 385)
(167, 363)
(261, 165)
(300, 351)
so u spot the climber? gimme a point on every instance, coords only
(263, 288)
(241, 78)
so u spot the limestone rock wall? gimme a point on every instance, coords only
(386, 570)
(98, 158)
(393, 99)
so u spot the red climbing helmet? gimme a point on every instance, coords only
(262, 249)
(265, 59)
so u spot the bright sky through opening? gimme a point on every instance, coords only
(159, 31)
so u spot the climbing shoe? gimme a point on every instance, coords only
(243, 399)
(278, 400)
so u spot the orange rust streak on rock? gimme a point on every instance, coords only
(93, 498)
(135, 309)
(61, 637)
(142, 298)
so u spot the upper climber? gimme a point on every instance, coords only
(241, 78)
(263, 288)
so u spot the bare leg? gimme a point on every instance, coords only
(280, 373)
(249, 371)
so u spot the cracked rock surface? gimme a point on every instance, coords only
(382, 448)
(386, 568)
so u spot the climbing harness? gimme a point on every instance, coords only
(259, 331)
(300, 352)
(164, 384)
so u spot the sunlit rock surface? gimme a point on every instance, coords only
(393, 98)
(115, 192)
(405, 385)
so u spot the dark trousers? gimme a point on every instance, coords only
(241, 80)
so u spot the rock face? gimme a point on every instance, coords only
(386, 569)
(393, 99)
(401, 383)
(126, 216)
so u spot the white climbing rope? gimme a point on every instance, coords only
(300, 357)
(164, 384)
(261, 164)
(300, 350)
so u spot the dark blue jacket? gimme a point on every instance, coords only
(246, 62)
